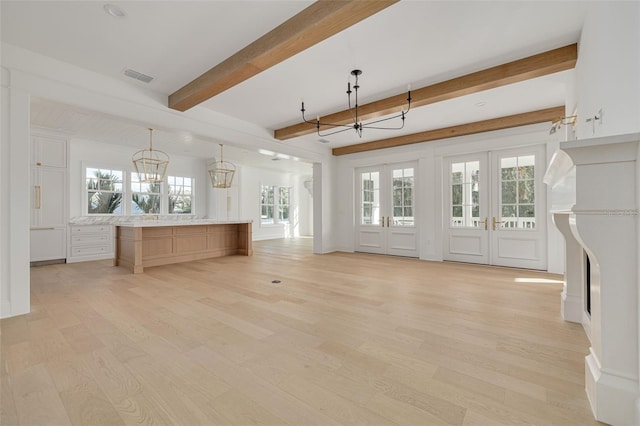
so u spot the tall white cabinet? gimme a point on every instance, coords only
(49, 196)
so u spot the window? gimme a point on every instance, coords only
(283, 204)
(403, 197)
(370, 198)
(275, 204)
(104, 191)
(145, 197)
(465, 195)
(180, 194)
(267, 204)
(518, 190)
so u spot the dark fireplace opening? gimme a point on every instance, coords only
(587, 282)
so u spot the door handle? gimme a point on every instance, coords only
(38, 202)
(497, 222)
(382, 221)
(388, 220)
(485, 221)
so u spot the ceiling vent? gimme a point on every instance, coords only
(137, 75)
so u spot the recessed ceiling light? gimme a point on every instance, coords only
(114, 11)
(481, 104)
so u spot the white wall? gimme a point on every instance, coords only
(14, 220)
(252, 179)
(430, 157)
(85, 153)
(305, 206)
(5, 305)
(608, 69)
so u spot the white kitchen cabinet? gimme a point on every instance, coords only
(49, 199)
(90, 242)
(48, 151)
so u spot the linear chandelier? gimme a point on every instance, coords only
(151, 164)
(357, 125)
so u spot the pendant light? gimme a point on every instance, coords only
(221, 173)
(151, 165)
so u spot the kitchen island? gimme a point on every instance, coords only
(152, 243)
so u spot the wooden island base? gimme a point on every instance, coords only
(138, 247)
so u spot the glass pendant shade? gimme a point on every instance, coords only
(221, 173)
(151, 165)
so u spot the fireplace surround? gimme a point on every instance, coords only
(604, 224)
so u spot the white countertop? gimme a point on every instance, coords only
(155, 223)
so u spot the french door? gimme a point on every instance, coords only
(495, 208)
(386, 210)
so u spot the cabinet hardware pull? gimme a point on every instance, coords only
(38, 197)
(42, 228)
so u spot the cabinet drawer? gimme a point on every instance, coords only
(91, 229)
(91, 250)
(94, 239)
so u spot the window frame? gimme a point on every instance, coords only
(272, 205)
(127, 193)
(190, 196)
(276, 220)
(132, 193)
(281, 205)
(85, 190)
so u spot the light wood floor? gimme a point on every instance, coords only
(342, 339)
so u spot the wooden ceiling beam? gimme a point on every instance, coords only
(550, 62)
(314, 24)
(524, 119)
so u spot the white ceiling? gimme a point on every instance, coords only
(411, 42)
(94, 126)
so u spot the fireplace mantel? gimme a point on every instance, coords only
(604, 221)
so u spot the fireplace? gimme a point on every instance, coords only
(587, 284)
(602, 273)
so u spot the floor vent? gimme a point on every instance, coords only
(137, 75)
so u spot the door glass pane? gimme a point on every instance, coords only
(403, 180)
(370, 196)
(517, 200)
(465, 195)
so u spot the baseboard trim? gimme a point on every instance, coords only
(36, 263)
(613, 398)
(5, 310)
(90, 258)
(571, 308)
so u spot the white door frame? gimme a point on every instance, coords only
(466, 242)
(487, 237)
(389, 232)
(524, 246)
